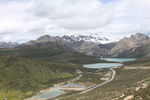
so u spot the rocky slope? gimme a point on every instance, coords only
(127, 47)
(82, 46)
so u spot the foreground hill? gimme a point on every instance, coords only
(23, 72)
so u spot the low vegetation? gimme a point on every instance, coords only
(24, 72)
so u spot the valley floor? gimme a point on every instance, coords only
(130, 83)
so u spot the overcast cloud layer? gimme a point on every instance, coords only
(23, 20)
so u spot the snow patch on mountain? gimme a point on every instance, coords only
(89, 38)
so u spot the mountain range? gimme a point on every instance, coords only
(134, 46)
(8, 44)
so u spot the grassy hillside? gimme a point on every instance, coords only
(130, 80)
(23, 72)
(27, 75)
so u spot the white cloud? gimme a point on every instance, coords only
(28, 19)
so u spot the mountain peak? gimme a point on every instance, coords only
(47, 38)
(88, 38)
(129, 43)
(140, 36)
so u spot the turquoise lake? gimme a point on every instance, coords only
(56, 91)
(118, 59)
(50, 94)
(109, 65)
(102, 65)
(74, 85)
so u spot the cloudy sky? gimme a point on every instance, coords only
(23, 20)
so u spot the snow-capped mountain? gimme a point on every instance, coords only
(8, 44)
(90, 38)
(94, 46)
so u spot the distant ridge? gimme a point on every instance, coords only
(8, 44)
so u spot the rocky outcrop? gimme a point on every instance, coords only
(89, 48)
(126, 47)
